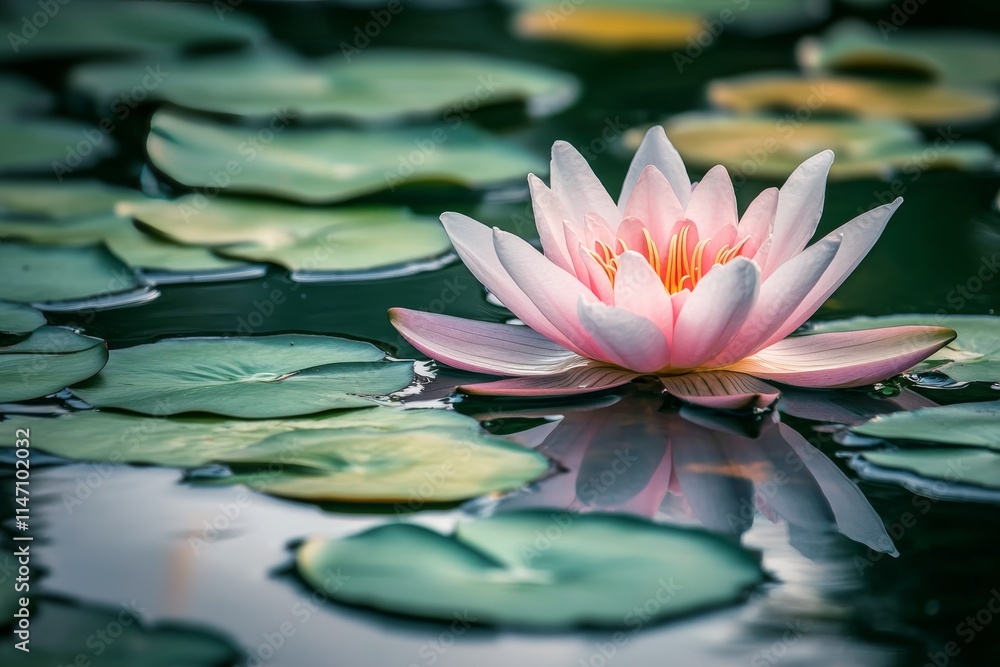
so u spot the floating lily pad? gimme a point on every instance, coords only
(326, 165)
(608, 27)
(62, 633)
(762, 146)
(544, 569)
(382, 85)
(961, 56)
(299, 238)
(51, 200)
(133, 27)
(255, 377)
(50, 360)
(970, 424)
(38, 274)
(47, 145)
(972, 357)
(953, 467)
(18, 320)
(22, 95)
(379, 455)
(922, 103)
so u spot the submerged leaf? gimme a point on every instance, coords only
(542, 569)
(251, 377)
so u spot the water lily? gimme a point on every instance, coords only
(671, 282)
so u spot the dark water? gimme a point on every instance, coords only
(840, 594)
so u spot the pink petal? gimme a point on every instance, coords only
(630, 237)
(549, 288)
(654, 203)
(640, 291)
(598, 229)
(596, 277)
(757, 220)
(577, 186)
(656, 150)
(482, 347)
(625, 339)
(717, 308)
(713, 203)
(721, 390)
(474, 244)
(800, 205)
(846, 359)
(581, 380)
(779, 296)
(550, 215)
(859, 235)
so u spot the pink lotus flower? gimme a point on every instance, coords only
(670, 282)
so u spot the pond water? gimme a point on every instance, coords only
(863, 570)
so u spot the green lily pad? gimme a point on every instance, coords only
(969, 424)
(63, 632)
(961, 56)
(18, 320)
(122, 239)
(47, 145)
(49, 360)
(50, 200)
(22, 95)
(543, 569)
(378, 455)
(255, 377)
(134, 27)
(972, 357)
(319, 165)
(380, 86)
(301, 239)
(865, 147)
(39, 274)
(921, 103)
(960, 468)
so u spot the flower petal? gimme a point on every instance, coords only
(757, 221)
(626, 339)
(595, 377)
(859, 235)
(654, 202)
(640, 291)
(845, 359)
(721, 390)
(713, 203)
(717, 308)
(577, 186)
(596, 277)
(549, 288)
(474, 243)
(800, 205)
(657, 150)
(482, 347)
(550, 216)
(779, 296)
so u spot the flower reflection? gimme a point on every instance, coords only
(694, 466)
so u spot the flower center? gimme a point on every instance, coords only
(684, 263)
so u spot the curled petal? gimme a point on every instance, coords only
(721, 390)
(845, 359)
(591, 378)
(550, 216)
(482, 347)
(626, 339)
(656, 150)
(800, 205)
(715, 311)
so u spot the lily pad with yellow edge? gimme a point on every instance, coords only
(920, 103)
